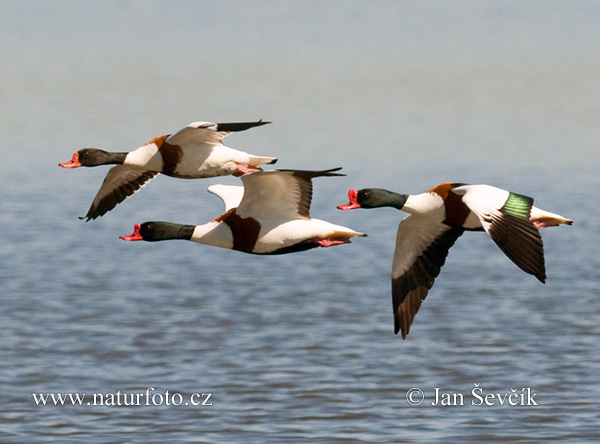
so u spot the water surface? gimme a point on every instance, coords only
(298, 347)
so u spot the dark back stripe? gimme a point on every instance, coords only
(171, 156)
(456, 210)
(301, 246)
(245, 231)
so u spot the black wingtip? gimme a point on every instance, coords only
(397, 327)
(330, 172)
(315, 173)
(239, 126)
(397, 330)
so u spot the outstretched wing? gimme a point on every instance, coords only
(208, 133)
(421, 249)
(279, 194)
(120, 183)
(231, 195)
(505, 216)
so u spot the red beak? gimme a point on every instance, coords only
(135, 236)
(353, 204)
(73, 163)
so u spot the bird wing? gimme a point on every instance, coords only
(231, 195)
(505, 216)
(421, 249)
(208, 133)
(279, 194)
(121, 182)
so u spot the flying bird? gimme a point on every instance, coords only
(194, 152)
(270, 214)
(438, 217)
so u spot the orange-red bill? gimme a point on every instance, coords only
(353, 204)
(135, 236)
(73, 163)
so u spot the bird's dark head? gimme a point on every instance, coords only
(93, 157)
(158, 231)
(374, 198)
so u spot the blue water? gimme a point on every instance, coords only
(300, 347)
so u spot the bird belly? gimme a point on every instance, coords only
(276, 236)
(205, 163)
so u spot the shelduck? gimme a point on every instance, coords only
(438, 217)
(194, 152)
(270, 214)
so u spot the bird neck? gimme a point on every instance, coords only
(383, 198)
(159, 231)
(397, 201)
(95, 156)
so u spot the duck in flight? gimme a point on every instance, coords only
(270, 214)
(194, 152)
(437, 218)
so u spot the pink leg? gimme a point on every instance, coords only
(544, 223)
(331, 242)
(244, 169)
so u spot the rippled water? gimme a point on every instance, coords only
(298, 347)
